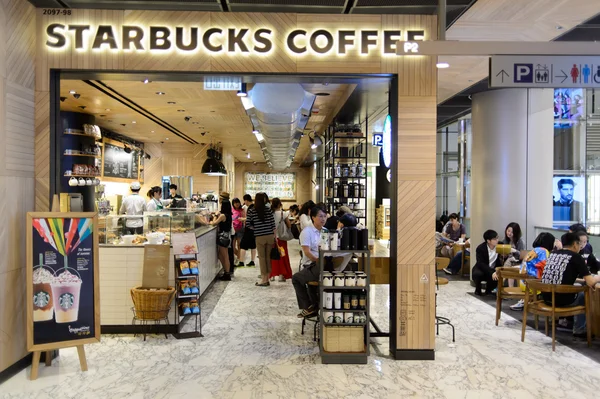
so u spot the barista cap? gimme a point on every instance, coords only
(135, 186)
(348, 220)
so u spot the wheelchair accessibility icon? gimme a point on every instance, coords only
(597, 75)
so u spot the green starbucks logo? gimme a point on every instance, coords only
(66, 301)
(41, 299)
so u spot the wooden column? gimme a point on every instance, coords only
(412, 280)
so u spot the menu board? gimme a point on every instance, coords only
(62, 280)
(118, 164)
(276, 185)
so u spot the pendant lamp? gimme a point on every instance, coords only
(211, 166)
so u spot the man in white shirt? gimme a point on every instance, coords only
(134, 205)
(310, 239)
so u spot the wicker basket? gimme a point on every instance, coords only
(343, 339)
(152, 304)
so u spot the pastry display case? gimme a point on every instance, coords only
(156, 228)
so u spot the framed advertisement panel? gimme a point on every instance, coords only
(280, 185)
(63, 295)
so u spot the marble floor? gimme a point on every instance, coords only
(253, 349)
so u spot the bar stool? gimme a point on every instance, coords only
(441, 263)
(314, 287)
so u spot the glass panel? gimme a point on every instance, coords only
(569, 129)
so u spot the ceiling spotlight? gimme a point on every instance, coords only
(558, 27)
(322, 94)
(171, 102)
(148, 156)
(442, 65)
(181, 110)
(195, 123)
(72, 92)
(77, 95)
(160, 93)
(254, 131)
(187, 118)
(62, 99)
(167, 138)
(123, 124)
(248, 155)
(82, 106)
(146, 81)
(133, 122)
(242, 92)
(102, 116)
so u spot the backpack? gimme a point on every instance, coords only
(283, 232)
(534, 264)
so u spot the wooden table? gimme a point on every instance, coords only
(595, 302)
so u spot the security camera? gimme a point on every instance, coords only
(77, 95)
(62, 99)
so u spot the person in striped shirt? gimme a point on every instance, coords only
(261, 219)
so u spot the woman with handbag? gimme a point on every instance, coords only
(281, 267)
(224, 221)
(238, 217)
(261, 219)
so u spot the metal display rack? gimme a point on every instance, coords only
(346, 149)
(345, 357)
(180, 297)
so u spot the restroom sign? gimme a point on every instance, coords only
(544, 71)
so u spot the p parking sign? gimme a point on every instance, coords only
(523, 73)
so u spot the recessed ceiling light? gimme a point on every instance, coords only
(212, 111)
(107, 109)
(133, 122)
(171, 102)
(248, 155)
(166, 138)
(123, 124)
(442, 65)
(181, 110)
(151, 131)
(102, 116)
(146, 81)
(195, 123)
(160, 93)
(72, 92)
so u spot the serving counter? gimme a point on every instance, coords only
(121, 268)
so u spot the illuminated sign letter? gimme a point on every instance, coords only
(365, 40)
(79, 34)
(193, 39)
(136, 39)
(206, 40)
(237, 39)
(329, 41)
(265, 41)
(159, 38)
(290, 41)
(100, 39)
(345, 38)
(61, 40)
(390, 37)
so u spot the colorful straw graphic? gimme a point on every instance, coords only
(71, 234)
(85, 229)
(57, 232)
(44, 232)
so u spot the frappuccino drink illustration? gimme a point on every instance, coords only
(43, 304)
(66, 287)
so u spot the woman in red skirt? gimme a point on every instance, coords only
(282, 266)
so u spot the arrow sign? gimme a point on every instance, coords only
(564, 76)
(503, 73)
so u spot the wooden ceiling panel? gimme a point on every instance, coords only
(213, 116)
(506, 20)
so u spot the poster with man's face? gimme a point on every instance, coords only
(568, 198)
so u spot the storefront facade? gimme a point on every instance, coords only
(222, 43)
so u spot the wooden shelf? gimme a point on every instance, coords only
(82, 176)
(81, 134)
(82, 155)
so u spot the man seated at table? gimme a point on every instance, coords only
(590, 259)
(455, 231)
(487, 261)
(310, 239)
(456, 262)
(564, 267)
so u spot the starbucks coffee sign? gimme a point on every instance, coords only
(214, 40)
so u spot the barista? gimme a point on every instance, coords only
(173, 196)
(155, 203)
(134, 205)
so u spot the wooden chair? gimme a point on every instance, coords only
(509, 273)
(465, 269)
(440, 264)
(539, 308)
